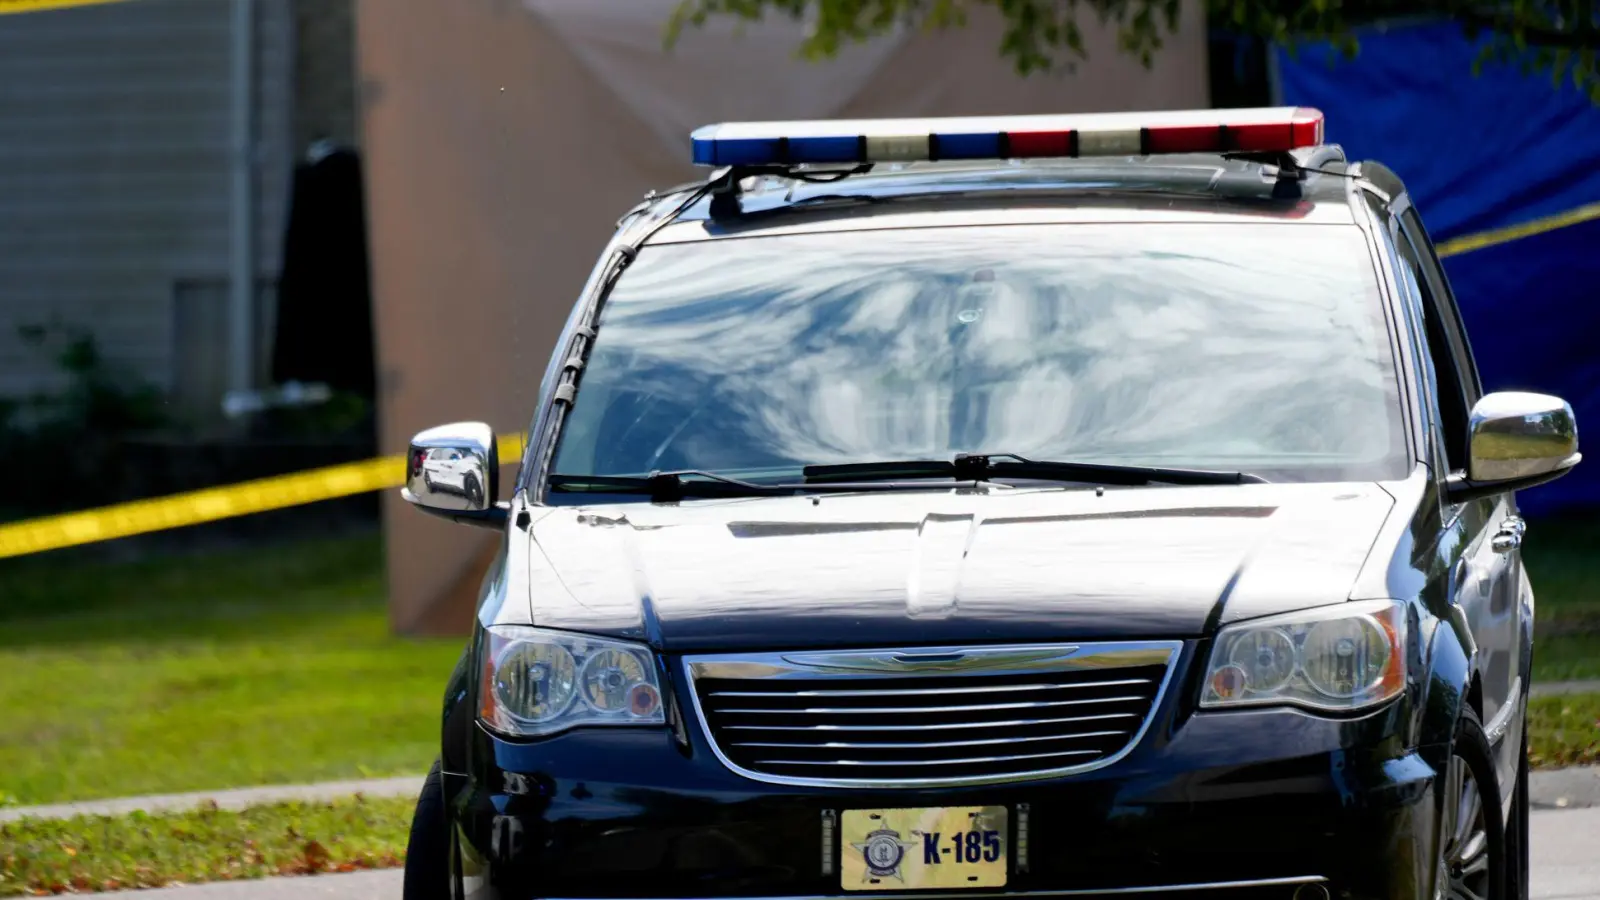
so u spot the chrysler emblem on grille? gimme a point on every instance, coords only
(916, 659)
(933, 660)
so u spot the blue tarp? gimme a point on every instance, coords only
(1479, 153)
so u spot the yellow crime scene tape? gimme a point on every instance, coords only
(22, 6)
(1467, 243)
(211, 504)
(315, 485)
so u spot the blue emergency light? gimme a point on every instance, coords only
(1267, 130)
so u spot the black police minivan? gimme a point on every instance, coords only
(1007, 507)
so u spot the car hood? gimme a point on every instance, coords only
(941, 567)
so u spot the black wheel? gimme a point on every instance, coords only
(1517, 830)
(474, 492)
(428, 852)
(1472, 836)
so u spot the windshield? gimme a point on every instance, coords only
(1240, 347)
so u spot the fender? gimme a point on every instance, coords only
(1445, 688)
(457, 719)
(1449, 678)
(460, 693)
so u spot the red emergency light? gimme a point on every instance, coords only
(1266, 130)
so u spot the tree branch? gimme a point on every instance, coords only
(1560, 37)
(1534, 34)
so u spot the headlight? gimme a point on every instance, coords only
(538, 682)
(1337, 658)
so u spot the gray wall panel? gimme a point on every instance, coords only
(114, 176)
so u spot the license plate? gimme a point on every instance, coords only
(932, 848)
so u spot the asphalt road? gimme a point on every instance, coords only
(1566, 866)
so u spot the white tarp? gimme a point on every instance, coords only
(723, 70)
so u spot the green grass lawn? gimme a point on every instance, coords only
(1563, 561)
(230, 669)
(95, 853)
(1564, 731)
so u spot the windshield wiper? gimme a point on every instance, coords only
(986, 466)
(664, 487)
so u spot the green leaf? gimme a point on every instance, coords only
(1047, 35)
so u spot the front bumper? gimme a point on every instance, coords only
(1261, 801)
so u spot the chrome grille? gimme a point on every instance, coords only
(929, 716)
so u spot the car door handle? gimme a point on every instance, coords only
(1509, 537)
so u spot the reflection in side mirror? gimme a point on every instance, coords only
(453, 469)
(1516, 440)
(1516, 435)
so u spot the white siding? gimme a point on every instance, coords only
(114, 172)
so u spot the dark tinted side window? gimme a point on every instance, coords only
(1452, 362)
(1439, 286)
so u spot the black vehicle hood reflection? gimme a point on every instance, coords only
(947, 566)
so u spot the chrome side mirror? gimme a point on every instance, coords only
(1516, 440)
(454, 471)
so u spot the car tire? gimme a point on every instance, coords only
(427, 875)
(1517, 882)
(1472, 835)
(474, 492)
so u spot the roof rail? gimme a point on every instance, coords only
(1317, 157)
(725, 187)
(1292, 165)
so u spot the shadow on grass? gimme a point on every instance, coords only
(237, 593)
(1562, 556)
(1563, 559)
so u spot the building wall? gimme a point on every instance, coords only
(114, 183)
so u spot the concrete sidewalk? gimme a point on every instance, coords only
(380, 885)
(1577, 787)
(1558, 688)
(405, 786)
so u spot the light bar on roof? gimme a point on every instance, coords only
(1269, 130)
